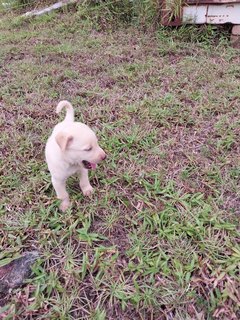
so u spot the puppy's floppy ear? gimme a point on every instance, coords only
(63, 140)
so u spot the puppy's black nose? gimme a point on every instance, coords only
(104, 156)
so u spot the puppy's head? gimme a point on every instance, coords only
(80, 146)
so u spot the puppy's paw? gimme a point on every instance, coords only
(87, 191)
(65, 204)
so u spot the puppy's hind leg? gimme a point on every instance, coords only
(84, 183)
(60, 188)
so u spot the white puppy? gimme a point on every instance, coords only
(71, 148)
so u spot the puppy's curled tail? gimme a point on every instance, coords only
(69, 108)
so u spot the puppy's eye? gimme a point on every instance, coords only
(88, 149)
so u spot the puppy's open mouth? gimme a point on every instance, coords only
(89, 165)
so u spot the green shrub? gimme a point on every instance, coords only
(140, 12)
(18, 4)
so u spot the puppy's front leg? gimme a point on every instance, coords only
(85, 186)
(60, 188)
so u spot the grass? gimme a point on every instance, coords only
(160, 237)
